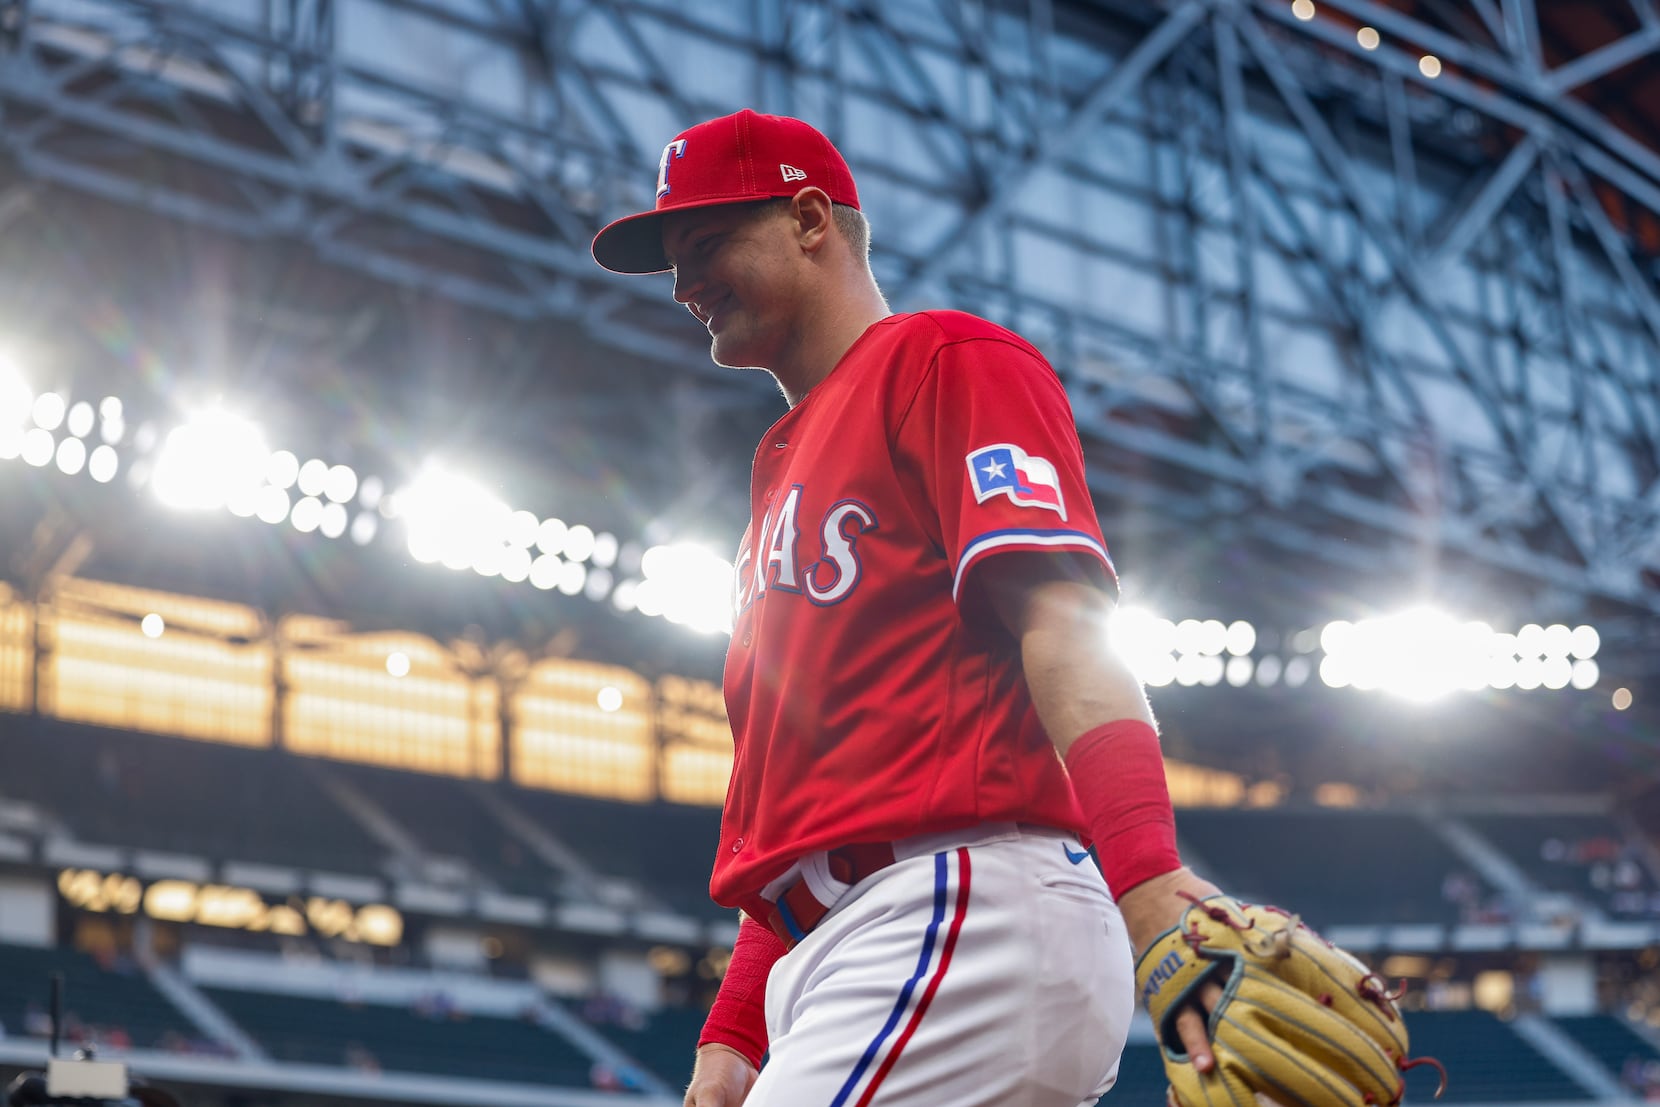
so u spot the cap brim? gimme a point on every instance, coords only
(633, 244)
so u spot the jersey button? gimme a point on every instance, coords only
(746, 637)
(737, 845)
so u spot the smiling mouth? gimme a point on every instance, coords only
(713, 312)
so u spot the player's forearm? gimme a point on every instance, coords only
(738, 1018)
(1077, 681)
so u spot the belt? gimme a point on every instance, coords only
(797, 909)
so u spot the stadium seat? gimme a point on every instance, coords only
(1608, 1040)
(1391, 865)
(119, 997)
(398, 1039)
(446, 819)
(1486, 1062)
(668, 849)
(152, 792)
(665, 1043)
(1586, 855)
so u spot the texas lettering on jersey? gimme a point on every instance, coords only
(826, 570)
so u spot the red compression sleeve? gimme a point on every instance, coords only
(739, 1015)
(1118, 775)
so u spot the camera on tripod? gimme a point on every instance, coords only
(82, 1080)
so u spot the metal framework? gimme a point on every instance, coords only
(1325, 300)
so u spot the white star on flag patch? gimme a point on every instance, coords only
(1007, 470)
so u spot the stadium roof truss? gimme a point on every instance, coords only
(1356, 304)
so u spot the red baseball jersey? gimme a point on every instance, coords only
(871, 697)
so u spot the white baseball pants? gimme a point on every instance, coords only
(986, 968)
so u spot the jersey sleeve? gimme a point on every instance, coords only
(991, 443)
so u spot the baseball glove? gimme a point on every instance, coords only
(1300, 1022)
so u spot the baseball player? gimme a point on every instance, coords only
(928, 720)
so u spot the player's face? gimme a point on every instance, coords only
(731, 270)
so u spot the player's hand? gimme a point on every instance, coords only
(1150, 909)
(722, 1077)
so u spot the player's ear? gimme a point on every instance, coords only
(810, 210)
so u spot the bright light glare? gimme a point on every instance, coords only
(81, 419)
(364, 528)
(1429, 65)
(579, 543)
(550, 536)
(16, 397)
(1303, 9)
(397, 663)
(273, 504)
(521, 529)
(152, 625)
(1144, 640)
(208, 460)
(71, 456)
(451, 519)
(687, 585)
(49, 410)
(1556, 673)
(605, 549)
(282, 469)
(314, 474)
(333, 522)
(573, 575)
(515, 564)
(610, 699)
(38, 446)
(1420, 655)
(1586, 642)
(1242, 638)
(544, 571)
(307, 515)
(103, 463)
(340, 485)
(599, 584)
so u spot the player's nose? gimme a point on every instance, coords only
(686, 284)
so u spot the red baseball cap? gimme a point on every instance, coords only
(736, 159)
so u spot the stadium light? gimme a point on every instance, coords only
(16, 397)
(81, 419)
(1145, 640)
(687, 585)
(38, 446)
(214, 457)
(340, 484)
(71, 456)
(103, 463)
(450, 518)
(48, 411)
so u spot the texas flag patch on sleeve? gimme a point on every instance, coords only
(1007, 470)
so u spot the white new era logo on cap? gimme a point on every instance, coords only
(791, 173)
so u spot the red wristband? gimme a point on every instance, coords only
(738, 1017)
(1118, 776)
